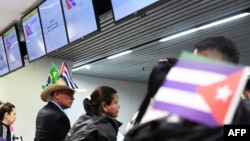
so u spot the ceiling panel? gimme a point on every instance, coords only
(141, 34)
(11, 11)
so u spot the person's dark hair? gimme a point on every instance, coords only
(222, 45)
(99, 95)
(155, 80)
(5, 108)
(247, 87)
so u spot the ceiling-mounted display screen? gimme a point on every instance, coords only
(53, 25)
(4, 69)
(13, 52)
(33, 35)
(124, 8)
(80, 18)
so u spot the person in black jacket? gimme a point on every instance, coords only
(99, 123)
(52, 124)
(7, 118)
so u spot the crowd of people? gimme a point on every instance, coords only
(99, 123)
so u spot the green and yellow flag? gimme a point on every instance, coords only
(53, 75)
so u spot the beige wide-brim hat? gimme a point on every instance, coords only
(59, 85)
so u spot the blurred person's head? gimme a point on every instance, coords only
(103, 100)
(7, 113)
(158, 74)
(218, 47)
(224, 49)
(246, 92)
(60, 93)
(63, 97)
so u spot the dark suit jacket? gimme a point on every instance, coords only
(51, 124)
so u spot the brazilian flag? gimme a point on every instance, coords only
(53, 75)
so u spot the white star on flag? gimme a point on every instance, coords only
(223, 93)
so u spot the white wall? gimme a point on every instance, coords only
(23, 88)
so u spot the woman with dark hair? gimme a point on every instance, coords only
(156, 79)
(7, 118)
(99, 123)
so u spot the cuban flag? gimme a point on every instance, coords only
(202, 90)
(8, 44)
(70, 3)
(64, 72)
(27, 30)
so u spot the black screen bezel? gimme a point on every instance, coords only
(67, 38)
(137, 13)
(32, 60)
(97, 23)
(1, 75)
(18, 41)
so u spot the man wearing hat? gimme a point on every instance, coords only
(52, 124)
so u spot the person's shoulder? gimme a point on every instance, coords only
(53, 107)
(49, 107)
(246, 104)
(242, 114)
(51, 110)
(182, 130)
(120, 136)
(131, 122)
(105, 120)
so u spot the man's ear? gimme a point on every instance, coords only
(56, 94)
(6, 114)
(104, 107)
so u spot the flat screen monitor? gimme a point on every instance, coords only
(53, 25)
(13, 52)
(4, 68)
(80, 18)
(125, 8)
(33, 35)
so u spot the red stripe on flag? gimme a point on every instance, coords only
(219, 96)
(68, 4)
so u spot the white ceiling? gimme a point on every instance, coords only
(12, 10)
